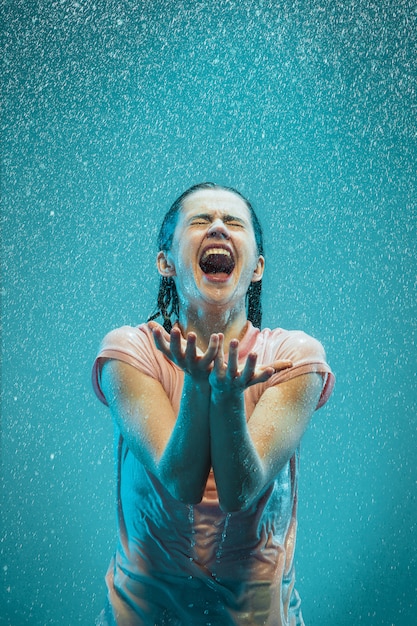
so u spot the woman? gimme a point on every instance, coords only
(209, 412)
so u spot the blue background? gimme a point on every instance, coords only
(112, 109)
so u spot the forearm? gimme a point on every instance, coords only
(237, 467)
(185, 462)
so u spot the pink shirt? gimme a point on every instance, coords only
(196, 565)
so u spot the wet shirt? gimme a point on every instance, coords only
(193, 565)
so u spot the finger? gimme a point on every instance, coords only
(264, 373)
(160, 341)
(278, 366)
(191, 347)
(232, 365)
(219, 358)
(212, 349)
(161, 330)
(154, 325)
(175, 343)
(249, 368)
(261, 376)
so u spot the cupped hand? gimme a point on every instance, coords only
(228, 377)
(184, 352)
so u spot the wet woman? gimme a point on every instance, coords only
(209, 411)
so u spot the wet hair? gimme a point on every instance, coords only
(167, 302)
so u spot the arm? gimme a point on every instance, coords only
(247, 456)
(175, 449)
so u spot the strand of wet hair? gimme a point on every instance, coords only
(254, 304)
(167, 303)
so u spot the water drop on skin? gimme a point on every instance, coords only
(192, 528)
(223, 537)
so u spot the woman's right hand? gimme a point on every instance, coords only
(184, 352)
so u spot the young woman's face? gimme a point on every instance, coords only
(213, 257)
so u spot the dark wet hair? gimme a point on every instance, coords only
(167, 302)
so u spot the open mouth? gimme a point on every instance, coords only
(217, 261)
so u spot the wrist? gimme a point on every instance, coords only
(199, 383)
(227, 396)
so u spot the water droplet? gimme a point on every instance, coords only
(191, 521)
(223, 537)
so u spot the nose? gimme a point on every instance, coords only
(218, 229)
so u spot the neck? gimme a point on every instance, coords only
(229, 322)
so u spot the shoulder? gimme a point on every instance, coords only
(133, 345)
(294, 345)
(126, 337)
(306, 353)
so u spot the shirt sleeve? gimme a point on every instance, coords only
(307, 356)
(131, 345)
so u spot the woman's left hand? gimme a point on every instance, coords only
(229, 378)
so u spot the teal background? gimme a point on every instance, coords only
(113, 108)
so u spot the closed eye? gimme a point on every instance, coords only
(229, 220)
(234, 223)
(199, 222)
